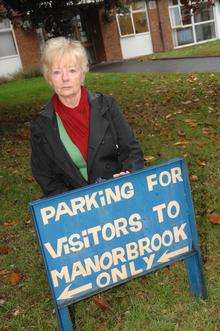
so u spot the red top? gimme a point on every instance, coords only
(75, 120)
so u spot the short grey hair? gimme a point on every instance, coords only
(56, 48)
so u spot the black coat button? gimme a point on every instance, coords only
(107, 166)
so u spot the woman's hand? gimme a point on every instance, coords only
(121, 174)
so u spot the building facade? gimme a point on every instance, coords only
(148, 27)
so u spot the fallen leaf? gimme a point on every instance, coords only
(192, 78)
(201, 163)
(4, 272)
(30, 179)
(141, 295)
(22, 134)
(4, 250)
(14, 278)
(101, 303)
(214, 218)
(149, 158)
(16, 312)
(168, 116)
(193, 178)
(166, 270)
(186, 102)
(177, 326)
(28, 221)
(206, 132)
(10, 223)
(191, 122)
(181, 143)
(4, 328)
(202, 144)
(181, 133)
(2, 302)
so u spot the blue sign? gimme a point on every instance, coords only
(105, 234)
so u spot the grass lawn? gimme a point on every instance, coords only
(172, 115)
(211, 48)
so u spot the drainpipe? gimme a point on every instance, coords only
(160, 25)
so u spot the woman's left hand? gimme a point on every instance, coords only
(121, 174)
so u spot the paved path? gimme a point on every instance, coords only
(208, 64)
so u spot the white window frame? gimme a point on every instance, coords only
(192, 25)
(131, 12)
(10, 29)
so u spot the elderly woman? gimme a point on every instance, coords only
(80, 137)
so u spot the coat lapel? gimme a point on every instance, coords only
(61, 156)
(98, 126)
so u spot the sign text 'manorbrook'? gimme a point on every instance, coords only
(120, 255)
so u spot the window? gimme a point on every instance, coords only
(125, 24)
(186, 16)
(7, 44)
(188, 27)
(205, 31)
(135, 21)
(184, 36)
(140, 22)
(175, 17)
(205, 14)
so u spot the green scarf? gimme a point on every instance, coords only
(72, 149)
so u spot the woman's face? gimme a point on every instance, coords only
(66, 78)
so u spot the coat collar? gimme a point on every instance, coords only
(95, 101)
(97, 127)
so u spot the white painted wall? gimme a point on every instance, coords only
(9, 65)
(137, 45)
(217, 18)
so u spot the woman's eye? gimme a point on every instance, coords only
(56, 72)
(72, 71)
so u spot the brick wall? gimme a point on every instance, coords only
(165, 24)
(155, 29)
(111, 39)
(161, 32)
(28, 48)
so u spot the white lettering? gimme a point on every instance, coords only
(119, 274)
(150, 182)
(47, 213)
(64, 273)
(173, 209)
(176, 174)
(132, 250)
(159, 210)
(149, 261)
(133, 269)
(179, 234)
(54, 254)
(167, 180)
(103, 279)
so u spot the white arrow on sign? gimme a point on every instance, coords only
(166, 257)
(68, 294)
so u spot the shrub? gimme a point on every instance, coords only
(5, 79)
(29, 73)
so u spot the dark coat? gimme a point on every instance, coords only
(112, 148)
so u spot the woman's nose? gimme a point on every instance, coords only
(65, 75)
